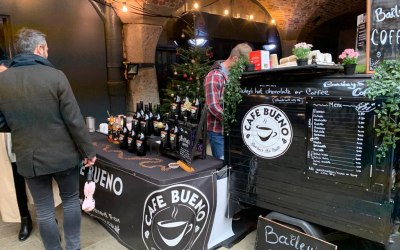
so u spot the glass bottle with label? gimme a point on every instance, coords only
(176, 105)
(184, 104)
(137, 118)
(123, 135)
(174, 135)
(196, 108)
(111, 121)
(150, 125)
(156, 121)
(132, 141)
(141, 141)
(164, 134)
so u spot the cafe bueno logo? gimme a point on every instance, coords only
(174, 217)
(266, 131)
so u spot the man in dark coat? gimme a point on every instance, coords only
(49, 136)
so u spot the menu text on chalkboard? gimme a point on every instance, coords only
(340, 140)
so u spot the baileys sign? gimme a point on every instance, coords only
(266, 131)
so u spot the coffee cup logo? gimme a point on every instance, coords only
(266, 131)
(172, 232)
(174, 218)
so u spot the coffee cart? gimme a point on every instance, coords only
(304, 148)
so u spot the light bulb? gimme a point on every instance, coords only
(251, 17)
(196, 6)
(124, 8)
(273, 21)
(226, 12)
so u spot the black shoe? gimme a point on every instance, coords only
(236, 217)
(26, 228)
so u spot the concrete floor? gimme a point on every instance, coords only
(93, 237)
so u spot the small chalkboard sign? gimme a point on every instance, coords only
(383, 32)
(274, 236)
(185, 147)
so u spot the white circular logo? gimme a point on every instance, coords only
(267, 131)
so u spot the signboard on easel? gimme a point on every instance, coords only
(274, 236)
(383, 32)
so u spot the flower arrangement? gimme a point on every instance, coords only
(302, 50)
(349, 56)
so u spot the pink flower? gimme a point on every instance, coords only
(349, 56)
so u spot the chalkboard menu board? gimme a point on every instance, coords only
(384, 31)
(340, 140)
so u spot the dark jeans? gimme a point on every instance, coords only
(20, 190)
(217, 144)
(42, 193)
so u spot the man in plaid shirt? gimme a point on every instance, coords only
(214, 85)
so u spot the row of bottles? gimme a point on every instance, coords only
(171, 136)
(184, 107)
(131, 132)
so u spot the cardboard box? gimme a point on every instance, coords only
(260, 59)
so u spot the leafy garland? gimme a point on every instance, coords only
(385, 85)
(232, 95)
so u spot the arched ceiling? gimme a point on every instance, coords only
(294, 18)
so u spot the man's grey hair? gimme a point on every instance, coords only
(242, 49)
(26, 40)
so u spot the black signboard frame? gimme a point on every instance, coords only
(275, 236)
(382, 27)
(338, 152)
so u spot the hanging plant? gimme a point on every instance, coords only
(232, 95)
(384, 85)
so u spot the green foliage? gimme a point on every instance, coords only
(385, 85)
(189, 72)
(232, 95)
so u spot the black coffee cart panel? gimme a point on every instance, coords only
(309, 150)
(146, 205)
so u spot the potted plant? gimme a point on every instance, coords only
(349, 60)
(301, 51)
(384, 85)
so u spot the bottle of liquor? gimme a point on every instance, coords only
(177, 107)
(137, 118)
(156, 120)
(164, 134)
(117, 129)
(196, 108)
(141, 141)
(184, 104)
(141, 108)
(174, 135)
(150, 125)
(123, 135)
(111, 121)
(132, 141)
(146, 119)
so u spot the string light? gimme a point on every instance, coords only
(251, 17)
(273, 21)
(226, 12)
(124, 8)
